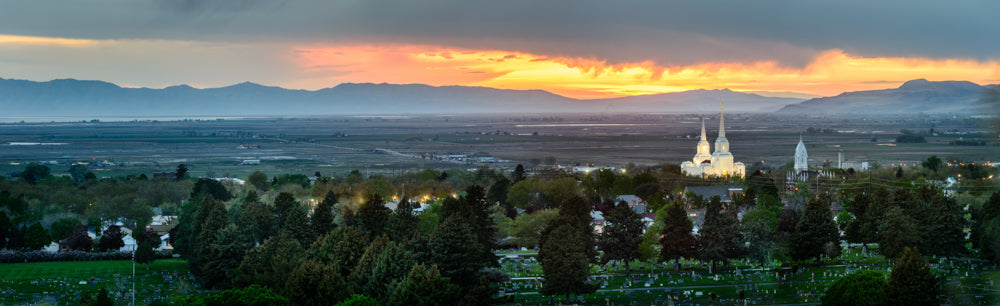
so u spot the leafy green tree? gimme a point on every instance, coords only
(622, 236)
(932, 163)
(896, 233)
(63, 228)
(527, 227)
(212, 187)
(144, 253)
(315, 283)
(181, 172)
(342, 248)
(253, 295)
(759, 228)
(358, 300)
(270, 263)
(322, 218)
(815, 230)
(719, 237)
(258, 180)
(34, 172)
(523, 193)
(863, 287)
(78, 172)
(676, 239)
(911, 282)
(424, 285)
(36, 237)
(374, 215)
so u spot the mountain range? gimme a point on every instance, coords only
(70, 97)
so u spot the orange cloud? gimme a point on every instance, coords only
(51, 41)
(830, 73)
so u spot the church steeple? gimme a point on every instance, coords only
(704, 149)
(721, 143)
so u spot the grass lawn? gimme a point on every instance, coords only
(67, 282)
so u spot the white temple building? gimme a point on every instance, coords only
(801, 157)
(718, 163)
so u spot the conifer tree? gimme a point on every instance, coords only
(719, 237)
(374, 216)
(424, 285)
(676, 239)
(36, 237)
(297, 224)
(815, 230)
(566, 250)
(896, 233)
(322, 217)
(453, 248)
(911, 282)
(621, 237)
(270, 263)
(315, 283)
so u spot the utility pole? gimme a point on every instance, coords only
(133, 276)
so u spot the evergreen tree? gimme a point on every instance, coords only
(144, 253)
(36, 237)
(215, 218)
(815, 230)
(212, 187)
(257, 221)
(758, 227)
(314, 283)
(342, 248)
(283, 204)
(374, 216)
(676, 238)
(223, 256)
(181, 172)
(719, 237)
(481, 221)
(5, 229)
(270, 263)
(391, 267)
(254, 295)
(402, 223)
(453, 248)
(911, 282)
(322, 218)
(564, 260)
(424, 286)
(985, 229)
(519, 174)
(297, 224)
(944, 233)
(362, 272)
(622, 236)
(103, 299)
(896, 233)
(63, 228)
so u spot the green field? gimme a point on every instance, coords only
(66, 282)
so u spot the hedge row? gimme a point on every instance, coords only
(43, 256)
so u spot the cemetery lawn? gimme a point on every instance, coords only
(66, 282)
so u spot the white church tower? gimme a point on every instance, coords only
(704, 149)
(720, 162)
(801, 157)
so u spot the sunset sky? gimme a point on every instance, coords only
(580, 48)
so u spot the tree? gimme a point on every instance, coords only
(863, 287)
(298, 225)
(676, 239)
(322, 218)
(342, 248)
(814, 230)
(34, 172)
(362, 272)
(527, 227)
(111, 239)
(103, 299)
(258, 180)
(759, 227)
(622, 236)
(933, 163)
(911, 282)
(181, 172)
(211, 187)
(374, 215)
(518, 174)
(563, 256)
(314, 283)
(79, 240)
(897, 233)
(719, 237)
(36, 237)
(985, 231)
(253, 295)
(402, 223)
(256, 221)
(454, 248)
(283, 204)
(222, 256)
(358, 300)
(270, 263)
(63, 228)
(424, 286)
(144, 253)
(78, 172)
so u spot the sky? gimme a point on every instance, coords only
(581, 48)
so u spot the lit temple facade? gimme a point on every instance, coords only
(718, 163)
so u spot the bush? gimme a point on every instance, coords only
(858, 288)
(910, 139)
(43, 256)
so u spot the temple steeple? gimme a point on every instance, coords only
(704, 149)
(721, 143)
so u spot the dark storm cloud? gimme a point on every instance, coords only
(668, 32)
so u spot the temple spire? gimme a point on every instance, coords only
(703, 137)
(722, 122)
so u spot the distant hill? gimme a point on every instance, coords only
(69, 97)
(916, 96)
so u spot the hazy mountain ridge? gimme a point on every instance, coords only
(916, 96)
(70, 97)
